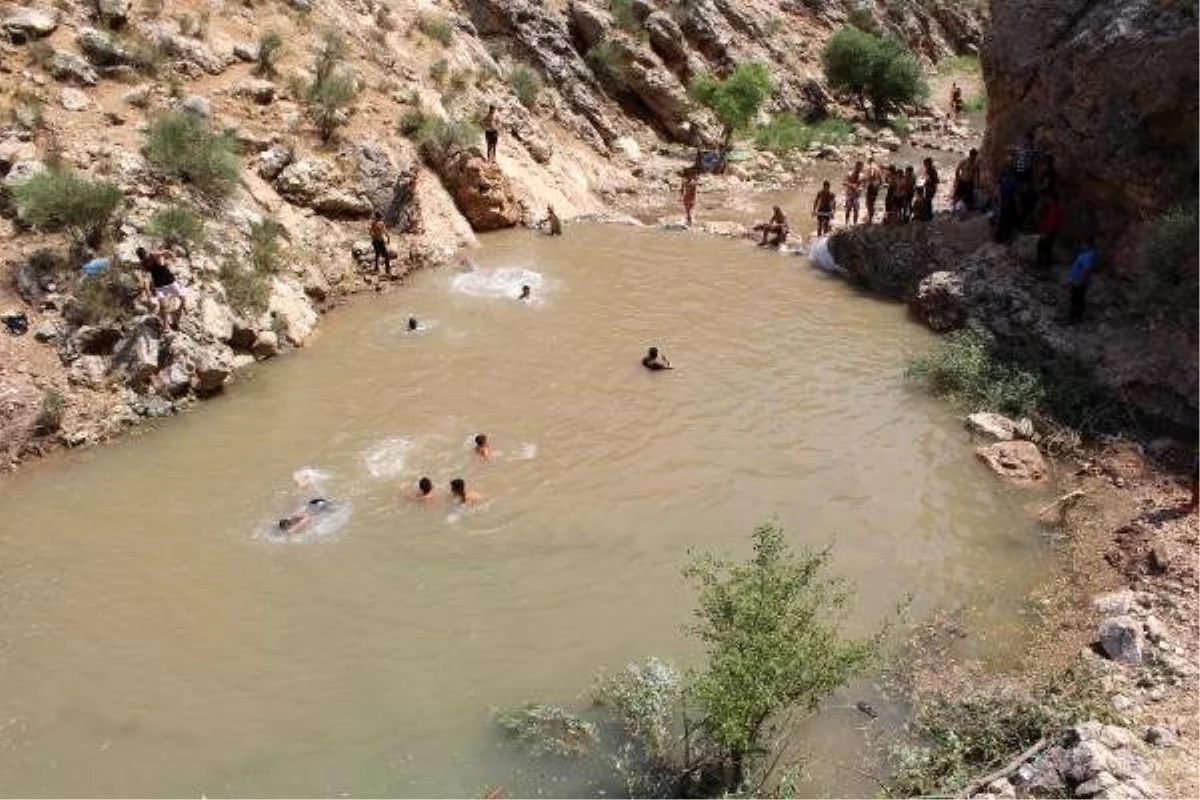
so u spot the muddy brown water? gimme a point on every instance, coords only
(157, 639)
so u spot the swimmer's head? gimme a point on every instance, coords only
(481, 440)
(376, 216)
(825, 185)
(458, 487)
(286, 524)
(525, 291)
(425, 485)
(652, 352)
(412, 323)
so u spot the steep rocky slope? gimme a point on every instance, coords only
(83, 82)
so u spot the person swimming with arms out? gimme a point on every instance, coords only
(655, 362)
(482, 448)
(460, 495)
(298, 521)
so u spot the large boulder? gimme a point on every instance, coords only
(68, 66)
(938, 301)
(1121, 639)
(315, 183)
(999, 427)
(1019, 461)
(101, 49)
(481, 191)
(1122, 154)
(26, 24)
(136, 355)
(291, 311)
(95, 340)
(114, 12)
(90, 371)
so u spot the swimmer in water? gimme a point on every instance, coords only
(526, 292)
(413, 324)
(460, 494)
(655, 362)
(296, 522)
(482, 448)
(424, 491)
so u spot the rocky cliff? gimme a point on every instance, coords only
(1109, 87)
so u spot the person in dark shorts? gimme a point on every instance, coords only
(774, 230)
(379, 242)
(655, 362)
(491, 135)
(163, 285)
(874, 181)
(823, 207)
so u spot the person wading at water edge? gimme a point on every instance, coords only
(824, 205)
(776, 228)
(552, 223)
(380, 241)
(853, 185)
(655, 362)
(163, 283)
(491, 135)
(687, 193)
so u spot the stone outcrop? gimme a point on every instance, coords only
(937, 301)
(481, 191)
(26, 24)
(316, 183)
(1019, 461)
(1109, 87)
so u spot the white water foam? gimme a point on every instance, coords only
(528, 451)
(310, 478)
(387, 459)
(502, 282)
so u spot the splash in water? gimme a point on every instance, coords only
(502, 282)
(386, 459)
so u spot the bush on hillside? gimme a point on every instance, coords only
(786, 132)
(270, 45)
(59, 199)
(966, 370)
(50, 415)
(265, 251)
(436, 27)
(880, 69)
(734, 100)
(526, 84)
(1168, 258)
(606, 61)
(439, 139)
(333, 87)
(185, 147)
(247, 290)
(177, 226)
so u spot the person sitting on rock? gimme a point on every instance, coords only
(551, 220)
(379, 242)
(162, 284)
(776, 228)
(824, 205)
(461, 495)
(298, 521)
(655, 362)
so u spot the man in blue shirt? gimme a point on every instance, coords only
(1080, 278)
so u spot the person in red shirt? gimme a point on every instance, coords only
(1049, 223)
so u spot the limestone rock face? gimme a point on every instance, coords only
(26, 24)
(938, 301)
(481, 191)
(314, 183)
(1110, 89)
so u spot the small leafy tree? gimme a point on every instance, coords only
(265, 252)
(735, 100)
(872, 67)
(773, 627)
(439, 139)
(59, 199)
(333, 88)
(269, 46)
(177, 225)
(526, 84)
(184, 146)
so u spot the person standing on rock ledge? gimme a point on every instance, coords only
(380, 241)
(491, 135)
(1080, 278)
(163, 284)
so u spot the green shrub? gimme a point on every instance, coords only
(862, 17)
(265, 250)
(526, 84)
(436, 27)
(607, 61)
(439, 139)
(966, 369)
(102, 299)
(177, 226)
(247, 290)
(58, 199)
(184, 146)
(412, 120)
(26, 109)
(876, 68)
(734, 100)
(326, 100)
(975, 103)
(901, 124)
(622, 13)
(959, 65)
(786, 132)
(1168, 258)
(438, 70)
(39, 54)
(50, 415)
(270, 45)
